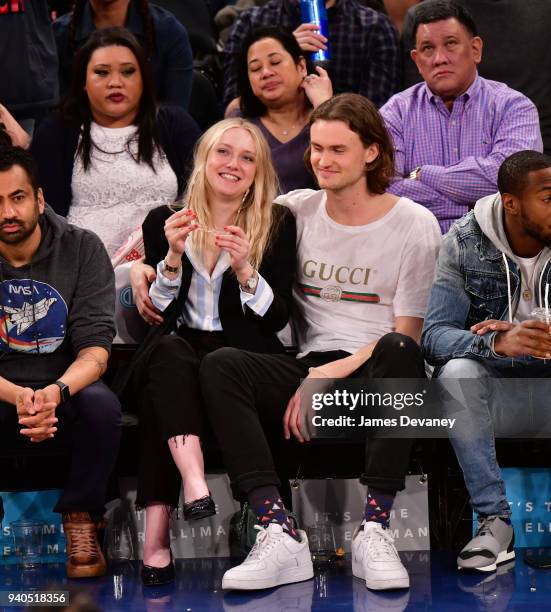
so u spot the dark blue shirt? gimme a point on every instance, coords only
(172, 60)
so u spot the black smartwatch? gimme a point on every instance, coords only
(64, 391)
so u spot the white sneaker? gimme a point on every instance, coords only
(276, 558)
(376, 560)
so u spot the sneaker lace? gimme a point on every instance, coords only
(484, 525)
(265, 543)
(83, 540)
(381, 545)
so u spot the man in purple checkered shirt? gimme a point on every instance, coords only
(364, 47)
(452, 132)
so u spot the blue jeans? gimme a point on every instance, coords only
(473, 437)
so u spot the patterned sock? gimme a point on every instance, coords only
(268, 507)
(378, 505)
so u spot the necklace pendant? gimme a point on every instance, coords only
(527, 294)
(284, 132)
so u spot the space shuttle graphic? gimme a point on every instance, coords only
(24, 317)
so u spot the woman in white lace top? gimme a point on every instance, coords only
(110, 156)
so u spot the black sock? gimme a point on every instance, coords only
(269, 508)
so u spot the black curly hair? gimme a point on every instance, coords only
(513, 173)
(16, 156)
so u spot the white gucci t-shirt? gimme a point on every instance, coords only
(352, 281)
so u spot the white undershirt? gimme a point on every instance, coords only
(528, 286)
(114, 196)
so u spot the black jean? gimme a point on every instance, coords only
(246, 394)
(89, 429)
(173, 406)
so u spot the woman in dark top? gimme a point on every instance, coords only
(225, 266)
(278, 95)
(163, 38)
(110, 153)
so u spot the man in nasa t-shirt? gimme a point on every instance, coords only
(56, 328)
(366, 260)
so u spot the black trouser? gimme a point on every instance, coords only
(172, 407)
(89, 428)
(247, 393)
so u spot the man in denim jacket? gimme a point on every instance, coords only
(494, 269)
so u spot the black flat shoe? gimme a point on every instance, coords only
(155, 576)
(200, 508)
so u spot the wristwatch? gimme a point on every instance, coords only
(171, 269)
(250, 284)
(414, 174)
(63, 390)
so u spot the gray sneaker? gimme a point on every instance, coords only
(492, 545)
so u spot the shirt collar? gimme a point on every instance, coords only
(222, 263)
(134, 21)
(471, 92)
(474, 88)
(86, 25)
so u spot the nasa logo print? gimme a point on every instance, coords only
(32, 315)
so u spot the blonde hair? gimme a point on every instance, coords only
(255, 215)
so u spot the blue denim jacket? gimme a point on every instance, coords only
(470, 286)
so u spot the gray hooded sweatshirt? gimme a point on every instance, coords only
(60, 303)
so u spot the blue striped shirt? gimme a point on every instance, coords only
(201, 306)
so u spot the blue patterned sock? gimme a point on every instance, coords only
(269, 508)
(378, 505)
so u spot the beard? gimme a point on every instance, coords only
(535, 231)
(27, 229)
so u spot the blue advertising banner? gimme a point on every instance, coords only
(35, 506)
(529, 495)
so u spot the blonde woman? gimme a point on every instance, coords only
(225, 263)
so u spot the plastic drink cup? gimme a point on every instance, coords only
(27, 538)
